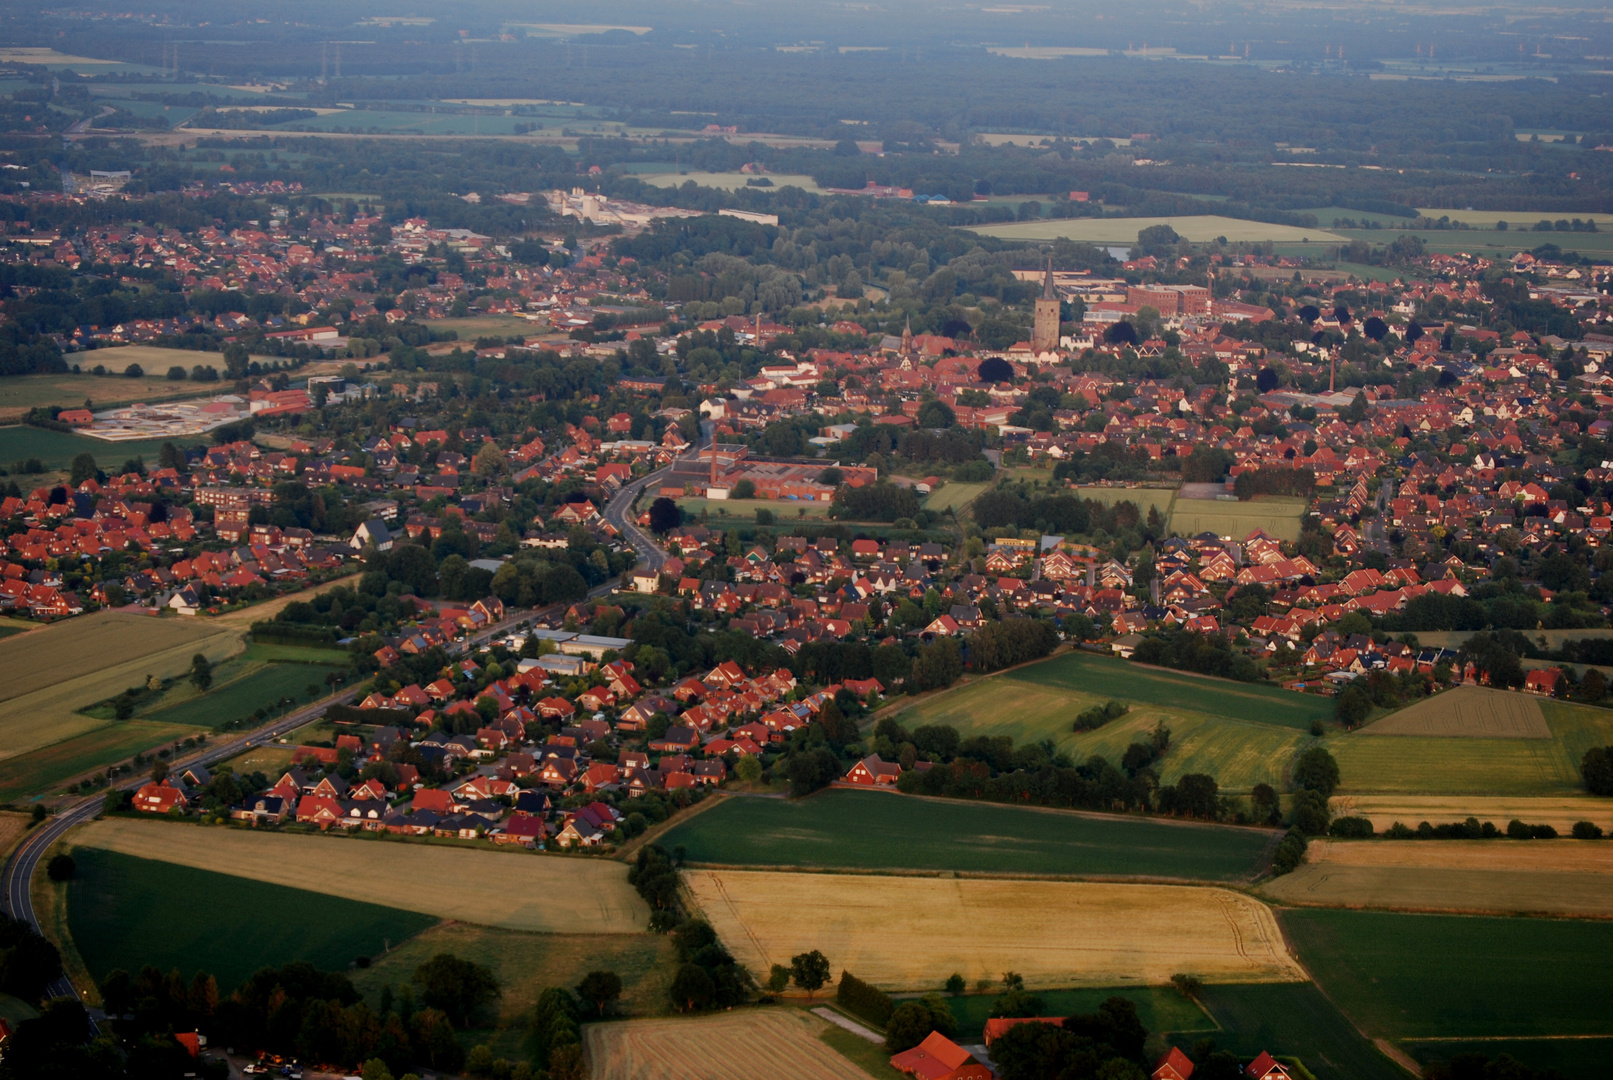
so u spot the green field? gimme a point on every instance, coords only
(863, 830)
(1428, 976)
(1489, 242)
(260, 678)
(56, 449)
(126, 912)
(46, 768)
(1159, 1008)
(1145, 499)
(104, 391)
(1123, 230)
(733, 181)
(420, 123)
(954, 495)
(472, 327)
(526, 965)
(744, 510)
(1474, 766)
(1107, 677)
(1279, 516)
(1577, 1059)
(1242, 735)
(1294, 1020)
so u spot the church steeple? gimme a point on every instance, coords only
(1045, 327)
(907, 336)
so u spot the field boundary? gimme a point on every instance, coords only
(1398, 1057)
(1094, 815)
(661, 828)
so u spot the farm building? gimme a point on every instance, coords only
(871, 770)
(939, 1058)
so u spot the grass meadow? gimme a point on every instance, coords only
(528, 964)
(49, 767)
(1199, 229)
(19, 393)
(1430, 976)
(1277, 515)
(1106, 677)
(1577, 1058)
(1239, 733)
(1144, 498)
(56, 449)
(54, 672)
(1294, 1020)
(261, 676)
(127, 912)
(954, 495)
(731, 181)
(1242, 735)
(860, 830)
(1443, 765)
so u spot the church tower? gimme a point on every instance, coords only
(1045, 332)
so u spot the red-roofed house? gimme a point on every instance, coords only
(1266, 1067)
(1543, 681)
(939, 1058)
(159, 798)
(1173, 1066)
(871, 770)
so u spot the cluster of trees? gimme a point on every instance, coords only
(1596, 768)
(1479, 1066)
(1188, 650)
(1099, 715)
(1275, 481)
(1103, 1045)
(992, 769)
(1007, 642)
(1315, 775)
(880, 501)
(556, 1040)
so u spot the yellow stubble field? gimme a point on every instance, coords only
(913, 932)
(728, 1046)
(1501, 876)
(512, 890)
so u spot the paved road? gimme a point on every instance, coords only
(18, 875)
(19, 870)
(619, 513)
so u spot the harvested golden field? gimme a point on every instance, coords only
(55, 671)
(1577, 856)
(1471, 712)
(912, 932)
(512, 890)
(1559, 877)
(12, 828)
(733, 1046)
(1560, 812)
